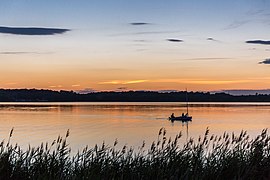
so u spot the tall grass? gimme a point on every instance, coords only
(228, 156)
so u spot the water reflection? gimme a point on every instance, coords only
(130, 123)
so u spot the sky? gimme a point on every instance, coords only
(119, 45)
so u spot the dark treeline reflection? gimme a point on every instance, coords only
(34, 95)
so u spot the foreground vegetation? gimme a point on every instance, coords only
(228, 156)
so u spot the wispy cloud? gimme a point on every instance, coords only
(200, 81)
(236, 24)
(139, 23)
(260, 15)
(111, 82)
(55, 86)
(75, 85)
(116, 82)
(141, 40)
(254, 12)
(174, 40)
(135, 81)
(263, 42)
(22, 52)
(32, 31)
(86, 91)
(179, 81)
(18, 52)
(266, 61)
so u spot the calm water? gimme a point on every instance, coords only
(130, 123)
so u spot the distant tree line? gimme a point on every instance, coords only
(35, 95)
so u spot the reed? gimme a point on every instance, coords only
(228, 156)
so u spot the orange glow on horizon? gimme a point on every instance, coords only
(72, 76)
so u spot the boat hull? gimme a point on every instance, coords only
(181, 118)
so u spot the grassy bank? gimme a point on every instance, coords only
(228, 156)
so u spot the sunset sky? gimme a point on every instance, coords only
(135, 44)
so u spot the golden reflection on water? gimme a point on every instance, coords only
(130, 123)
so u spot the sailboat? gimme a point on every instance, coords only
(183, 117)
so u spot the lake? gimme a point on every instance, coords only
(129, 123)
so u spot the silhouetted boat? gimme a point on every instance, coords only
(183, 117)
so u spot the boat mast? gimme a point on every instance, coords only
(186, 100)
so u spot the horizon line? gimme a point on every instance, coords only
(129, 90)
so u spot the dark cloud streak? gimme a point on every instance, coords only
(266, 61)
(263, 42)
(213, 40)
(32, 31)
(175, 40)
(139, 23)
(122, 88)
